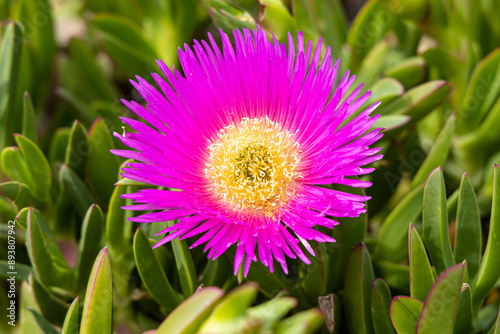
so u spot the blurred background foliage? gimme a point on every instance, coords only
(81, 266)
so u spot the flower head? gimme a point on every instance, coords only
(248, 135)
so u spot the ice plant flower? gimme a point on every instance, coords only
(242, 143)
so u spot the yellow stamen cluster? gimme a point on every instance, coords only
(252, 165)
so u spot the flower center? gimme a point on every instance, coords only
(253, 164)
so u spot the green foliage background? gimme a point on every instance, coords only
(424, 259)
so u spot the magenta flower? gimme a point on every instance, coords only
(247, 135)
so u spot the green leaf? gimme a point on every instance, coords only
(404, 314)
(481, 93)
(412, 10)
(372, 65)
(410, 72)
(76, 189)
(265, 315)
(118, 227)
(421, 277)
(489, 270)
(78, 149)
(125, 43)
(385, 90)
(43, 323)
(20, 194)
(305, 322)
(440, 307)
(468, 228)
(97, 309)
(188, 316)
(357, 290)
(230, 311)
(102, 166)
(397, 275)
(418, 101)
(45, 256)
(13, 165)
(277, 18)
(52, 307)
(152, 273)
(29, 119)
(463, 322)
(392, 240)
(185, 266)
(381, 302)
(362, 37)
(90, 74)
(88, 245)
(38, 166)
(10, 50)
(496, 327)
(438, 153)
(23, 271)
(128, 182)
(435, 221)
(348, 234)
(70, 325)
(391, 122)
(58, 145)
(28, 302)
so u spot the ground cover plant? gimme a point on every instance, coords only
(409, 188)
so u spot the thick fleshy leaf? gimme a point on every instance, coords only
(496, 327)
(277, 18)
(421, 277)
(152, 273)
(409, 72)
(188, 316)
(91, 76)
(392, 242)
(228, 316)
(97, 309)
(102, 166)
(463, 321)
(348, 234)
(58, 145)
(264, 316)
(305, 322)
(468, 228)
(418, 101)
(78, 149)
(441, 305)
(385, 90)
(18, 194)
(372, 14)
(438, 153)
(118, 227)
(51, 307)
(38, 166)
(88, 245)
(76, 189)
(43, 323)
(381, 302)
(357, 290)
(404, 314)
(397, 275)
(29, 119)
(435, 221)
(45, 256)
(185, 266)
(11, 46)
(125, 44)
(489, 270)
(70, 325)
(28, 302)
(476, 105)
